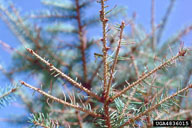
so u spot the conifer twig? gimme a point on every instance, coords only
(60, 101)
(69, 79)
(115, 59)
(155, 106)
(8, 93)
(181, 53)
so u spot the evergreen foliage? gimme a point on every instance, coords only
(131, 81)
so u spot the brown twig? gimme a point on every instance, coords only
(60, 101)
(181, 53)
(115, 59)
(69, 79)
(155, 106)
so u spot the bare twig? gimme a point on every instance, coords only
(69, 79)
(60, 101)
(181, 53)
(115, 60)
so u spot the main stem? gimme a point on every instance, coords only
(104, 22)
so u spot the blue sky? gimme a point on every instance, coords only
(181, 16)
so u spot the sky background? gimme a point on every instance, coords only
(180, 17)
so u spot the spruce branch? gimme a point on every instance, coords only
(60, 101)
(115, 59)
(69, 79)
(181, 53)
(131, 120)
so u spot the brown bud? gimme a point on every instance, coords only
(106, 20)
(107, 48)
(110, 100)
(13, 90)
(30, 50)
(182, 52)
